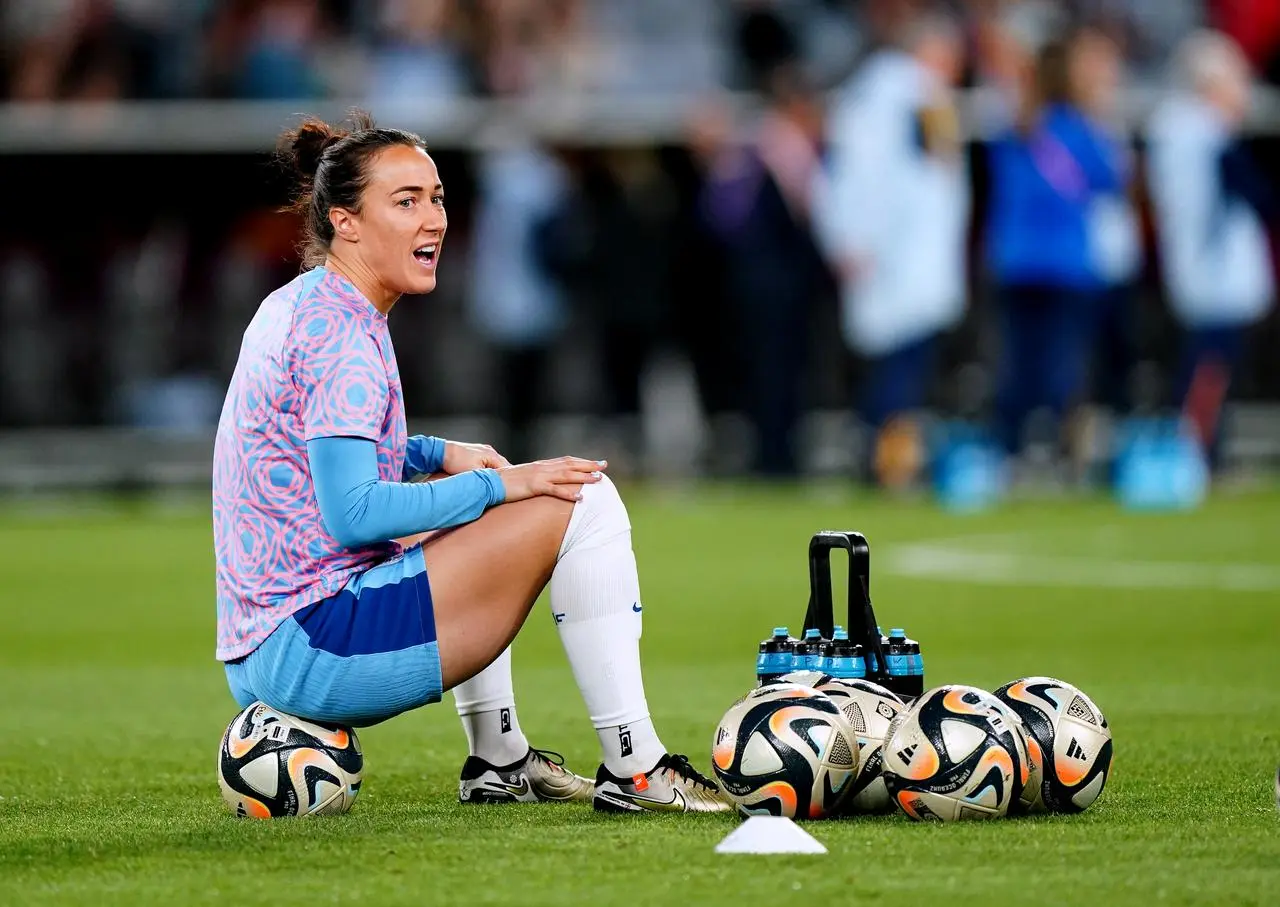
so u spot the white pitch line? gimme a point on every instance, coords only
(940, 560)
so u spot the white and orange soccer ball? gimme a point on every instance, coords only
(272, 764)
(869, 708)
(952, 755)
(1072, 736)
(785, 750)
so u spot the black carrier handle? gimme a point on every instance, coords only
(861, 622)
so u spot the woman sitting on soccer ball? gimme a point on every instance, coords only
(320, 613)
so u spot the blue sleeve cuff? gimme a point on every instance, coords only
(423, 455)
(497, 491)
(433, 453)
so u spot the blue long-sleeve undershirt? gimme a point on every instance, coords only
(359, 509)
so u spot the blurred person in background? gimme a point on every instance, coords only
(756, 200)
(1096, 73)
(1046, 174)
(612, 244)
(892, 217)
(416, 55)
(79, 50)
(1211, 207)
(265, 50)
(92, 51)
(535, 47)
(515, 301)
(706, 328)
(631, 214)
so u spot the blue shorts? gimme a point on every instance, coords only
(356, 658)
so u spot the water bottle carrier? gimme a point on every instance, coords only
(861, 620)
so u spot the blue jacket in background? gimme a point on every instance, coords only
(1043, 187)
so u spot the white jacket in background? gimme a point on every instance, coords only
(885, 202)
(1214, 253)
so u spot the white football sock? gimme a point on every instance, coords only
(595, 599)
(487, 706)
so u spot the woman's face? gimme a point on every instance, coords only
(401, 223)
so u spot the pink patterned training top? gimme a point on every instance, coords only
(316, 361)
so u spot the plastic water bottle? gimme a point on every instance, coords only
(906, 665)
(808, 652)
(824, 663)
(804, 649)
(776, 654)
(842, 658)
(895, 653)
(871, 656)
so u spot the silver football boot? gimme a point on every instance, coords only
(671, 786)
(539, 777)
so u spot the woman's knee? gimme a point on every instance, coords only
(597, 519)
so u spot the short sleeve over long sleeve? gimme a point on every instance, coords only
(341, 377)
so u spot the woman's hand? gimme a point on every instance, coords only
(461, 457)
(553, 478)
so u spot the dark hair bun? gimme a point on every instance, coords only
(305, 146)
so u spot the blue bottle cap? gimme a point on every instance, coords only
(840, 633)
(897, 633)
(780, 631)
(812, 634)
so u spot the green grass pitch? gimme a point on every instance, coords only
(112, 708)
